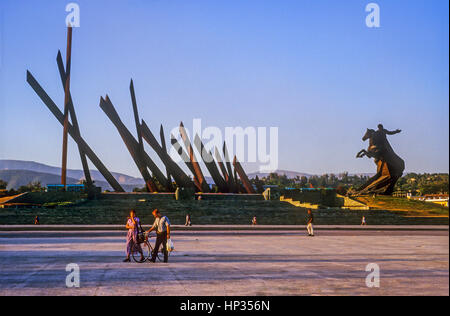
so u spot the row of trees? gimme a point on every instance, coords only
(426, 183)
(30, 187)
(3, 184)
(342, 182)
(417, 184)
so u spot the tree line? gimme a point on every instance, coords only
(426, 183)
(417, 184)
(34, 186)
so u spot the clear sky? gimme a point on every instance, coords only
(312, 68)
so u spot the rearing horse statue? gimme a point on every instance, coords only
(390, 166)
(374, 149)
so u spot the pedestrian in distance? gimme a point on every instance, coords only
(188, 220)
(309, 224)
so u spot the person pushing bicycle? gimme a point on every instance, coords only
(162, 227)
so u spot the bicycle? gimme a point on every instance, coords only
(147, 249)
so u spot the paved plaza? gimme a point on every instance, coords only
(228, 262)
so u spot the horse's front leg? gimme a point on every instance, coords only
(361, 154)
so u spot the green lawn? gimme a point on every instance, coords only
(405, 206)
(115, 211)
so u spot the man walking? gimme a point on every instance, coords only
(162, 227)
(363, 221)
(188, 220)
(309, 224)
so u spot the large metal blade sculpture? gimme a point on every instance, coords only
(164, 148)
(136, 117)
(140, 150)
(210, 165)
(62, 73)
(66, 107)
(72, 132)
(184, 156)
(232, 180)
(180, 177)
(224, 179)
(221, 165)
(133, 147)
(198, 171)
(245, 181)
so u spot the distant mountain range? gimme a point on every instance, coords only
(18, 173)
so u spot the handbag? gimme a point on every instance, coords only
(169, 246)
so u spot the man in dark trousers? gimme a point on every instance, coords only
(309, 224)
(162, 227)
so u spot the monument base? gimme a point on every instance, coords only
(383, 182)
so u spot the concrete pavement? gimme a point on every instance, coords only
(230, 263)
(227, 227)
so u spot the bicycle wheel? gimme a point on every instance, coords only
(142, 250)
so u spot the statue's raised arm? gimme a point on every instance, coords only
(384, 131)
(397, 131)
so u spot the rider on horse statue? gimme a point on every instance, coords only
(390, 167)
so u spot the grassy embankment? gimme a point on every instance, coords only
(405, 207)
(114, 210)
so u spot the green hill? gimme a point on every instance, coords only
(405, 206)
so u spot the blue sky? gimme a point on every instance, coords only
(311, 68)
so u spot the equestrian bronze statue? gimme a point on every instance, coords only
(390, 166)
